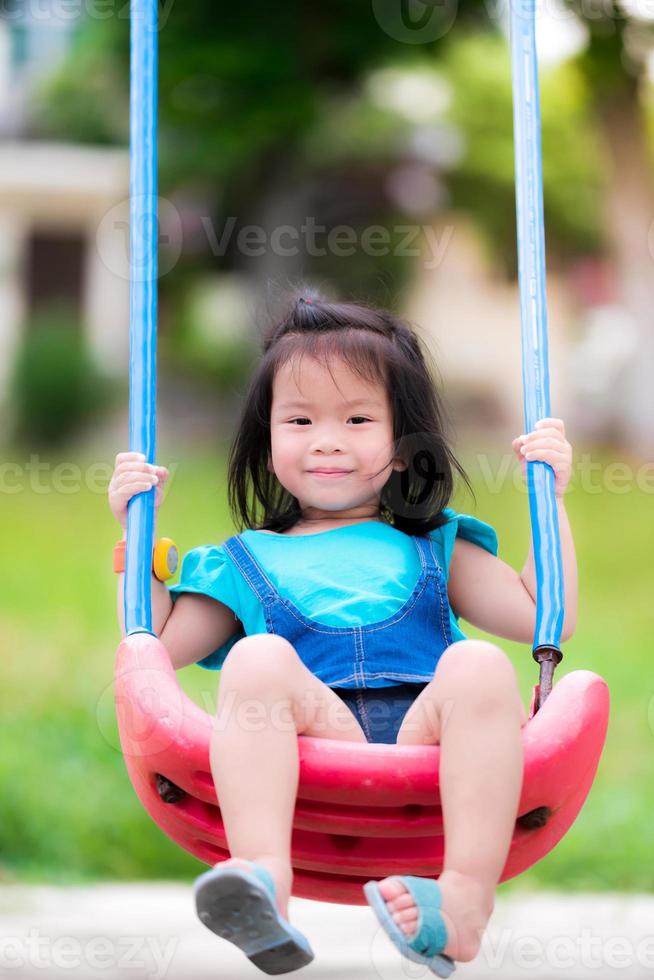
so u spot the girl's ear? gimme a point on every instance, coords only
(270, 465)
(399, 464)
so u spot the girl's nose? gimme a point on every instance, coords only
(325, 442)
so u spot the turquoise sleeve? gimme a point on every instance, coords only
(206, 570)
(471, 529)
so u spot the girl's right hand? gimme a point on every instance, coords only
(133, 475)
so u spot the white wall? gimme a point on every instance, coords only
(66, 187)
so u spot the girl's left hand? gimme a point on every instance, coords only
(547, 444)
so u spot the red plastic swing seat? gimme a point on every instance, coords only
(362, 811)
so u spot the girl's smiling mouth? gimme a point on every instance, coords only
(329, 474)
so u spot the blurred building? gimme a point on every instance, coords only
(472, 316)
(53, 199)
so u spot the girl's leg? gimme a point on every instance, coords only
(267, 698)
(472, 708)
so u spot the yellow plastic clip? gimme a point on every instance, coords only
(165, 559)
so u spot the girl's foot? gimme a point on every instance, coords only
(466, 909)
(281, 871)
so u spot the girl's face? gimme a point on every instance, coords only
(323, 423)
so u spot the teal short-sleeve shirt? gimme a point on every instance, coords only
(349, 576)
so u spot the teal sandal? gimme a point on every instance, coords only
(431, 937)
(239, 905)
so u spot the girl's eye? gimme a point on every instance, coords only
(363, 419)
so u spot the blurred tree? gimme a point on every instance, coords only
(55, 386)
(264, 111)
(243, 89)
(615, 63)
(478, 68)
(239, 85)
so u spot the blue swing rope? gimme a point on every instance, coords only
(533, 313)
(143, 307)
(535, 372)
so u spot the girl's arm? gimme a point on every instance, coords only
(191, 628)
(195, 625)
(491, 595)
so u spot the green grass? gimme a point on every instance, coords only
(69, 813)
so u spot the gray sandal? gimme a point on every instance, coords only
(239, 906)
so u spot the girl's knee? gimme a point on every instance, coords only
(477, 666)
(259, 659)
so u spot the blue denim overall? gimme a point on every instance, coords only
(405, 646)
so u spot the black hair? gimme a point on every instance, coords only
(380, 348)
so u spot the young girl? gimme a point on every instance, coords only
(336, 613)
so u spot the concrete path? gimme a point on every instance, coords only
(150, 932)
